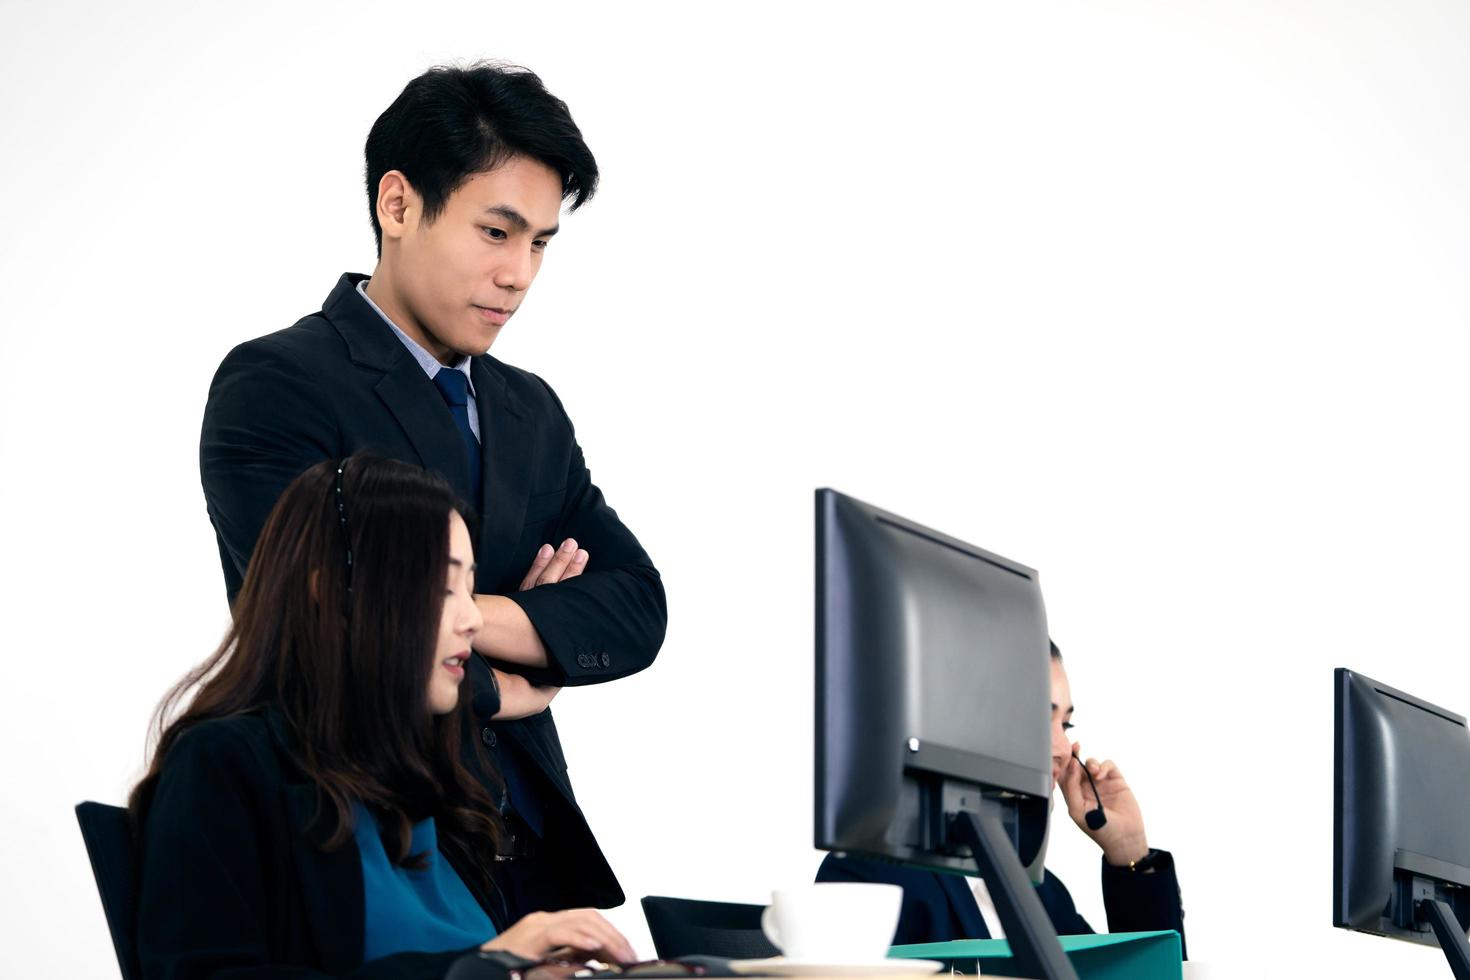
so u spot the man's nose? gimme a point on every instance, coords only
(515, 273)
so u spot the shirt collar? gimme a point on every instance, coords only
(427, 361)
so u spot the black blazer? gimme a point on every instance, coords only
(232, 883)
(939, 908)
(338, 382)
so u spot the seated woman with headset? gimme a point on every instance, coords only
(1140, 891)
(308, 812)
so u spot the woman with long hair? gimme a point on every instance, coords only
(308, 809)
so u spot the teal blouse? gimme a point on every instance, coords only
(427, 911)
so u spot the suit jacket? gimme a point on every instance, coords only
(339, 381)
(938, 907)
(232, 883)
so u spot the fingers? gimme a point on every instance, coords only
(555, 564)
(559, 562)
(578, 565)
(1072, 783)
(1111, 785)
(585, 929)
(519, 698)
(542, 694)
(516, 696)
(1099, 770)
(567, 562)
(538, 565)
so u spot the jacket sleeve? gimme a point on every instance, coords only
(610, 621)
(203, 896)
(1144, 901)
(264, 424)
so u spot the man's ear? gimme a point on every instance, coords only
(398, 204)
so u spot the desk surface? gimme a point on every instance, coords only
(1192, 971)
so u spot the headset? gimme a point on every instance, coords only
(1096, 819)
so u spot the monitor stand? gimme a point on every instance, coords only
(1035, 950)
(1447, 929)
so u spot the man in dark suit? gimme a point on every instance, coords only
(466, 175)
(1140, 890)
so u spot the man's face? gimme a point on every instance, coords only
(1061, 720)
(461, 276)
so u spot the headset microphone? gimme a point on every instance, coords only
(1096, 819)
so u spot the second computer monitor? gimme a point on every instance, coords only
(1401, 845)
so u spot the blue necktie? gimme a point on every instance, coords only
(455, 388)
(522, 799)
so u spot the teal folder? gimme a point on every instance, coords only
(1109, 956)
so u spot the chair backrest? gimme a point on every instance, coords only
(688, 927)
(109, 841)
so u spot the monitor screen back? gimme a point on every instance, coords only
(1402, 787)
(932, 663)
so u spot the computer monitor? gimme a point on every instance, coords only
(1401, 822)
(933, 744)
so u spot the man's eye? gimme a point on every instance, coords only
(1067, 726)
(496, 233)
(540, 244)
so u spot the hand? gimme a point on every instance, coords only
(519, 698)
(584, 930)
(1122, 838)
(550, 566)
(508, 633)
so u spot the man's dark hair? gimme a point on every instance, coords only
(452, 123)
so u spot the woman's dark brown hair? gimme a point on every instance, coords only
(348, 671)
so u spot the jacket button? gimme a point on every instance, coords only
(487, 735)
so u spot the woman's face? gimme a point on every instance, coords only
(1061, 721)
(458, 624)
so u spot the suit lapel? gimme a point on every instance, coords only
(416, 404)
(508, 453)
(404, 389)
(331, 882)
(331, 887)
(962, 904)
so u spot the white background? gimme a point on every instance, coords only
(1167, 300)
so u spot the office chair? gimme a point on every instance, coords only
(688, 927)
(109, 842)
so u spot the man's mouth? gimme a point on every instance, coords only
(494, 314)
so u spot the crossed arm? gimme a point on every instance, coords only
(267, 420)
(509, 636)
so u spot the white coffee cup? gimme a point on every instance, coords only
(834, 922)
